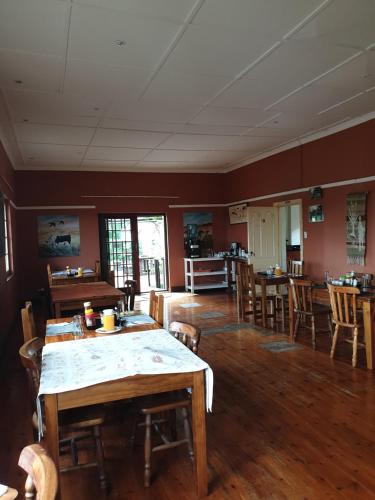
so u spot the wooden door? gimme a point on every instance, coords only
(263, 237)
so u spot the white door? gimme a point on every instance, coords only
(263, 237)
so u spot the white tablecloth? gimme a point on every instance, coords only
(81, 363)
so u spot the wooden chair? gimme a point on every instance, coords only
(28, 322)
(49, 275)
(156, 408)
(97, 270)
(295, 267)
(41, 473)
(156, 310)
(304, 308)
(247, 293)
(129, 290)
(74, 425)
(345, 314)
(111, 278)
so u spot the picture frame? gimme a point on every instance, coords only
(316, 213)
(316, 193)
(238, 213)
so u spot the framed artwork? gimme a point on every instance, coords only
(58, 235)
(356, 222)
(316, 193)
(2, 225)
(238, 213)
(316, 213)
(198, 230)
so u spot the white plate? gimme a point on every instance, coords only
(115, 330)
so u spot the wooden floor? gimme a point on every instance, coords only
(287, 425)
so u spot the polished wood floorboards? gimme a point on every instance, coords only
(288, 425)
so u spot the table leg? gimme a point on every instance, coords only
(291, 313)
(368, 320)
(52, 429)
(57, 309)
(264, 304)
(199, 433)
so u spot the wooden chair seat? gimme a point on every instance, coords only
(159, 410)
(81, 418)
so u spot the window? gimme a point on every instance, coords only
(8, 239)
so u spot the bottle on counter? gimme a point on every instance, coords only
(80, 272)
(278, 270)
(89, 316)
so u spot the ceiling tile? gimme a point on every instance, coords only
(51, 154)
(126, 138)
(153, 112)
(34, 26)
(53, 134)
(283, 133)
(194, 128)
(98, 164)
(360, 105)
(36, 72)
(192, 156)
(343, 22)
(141, 125)
(197, 142)
(94, 32)
(99, 153)
(101, 80)
(231, 116)
(178, 164)
(171, 10)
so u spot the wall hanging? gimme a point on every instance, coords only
(58, 235)
(198, 238)
(356, 228)
(238, 213)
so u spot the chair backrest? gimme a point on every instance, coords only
(156, 310)
(188, 334)
(41, 473)
(129, 290)
(111, 278)
(30, 355)
(302, 295)
(28, 322)
(98, 270)
(296, 267)
(49, 274)
(344, 305)
(246, 279)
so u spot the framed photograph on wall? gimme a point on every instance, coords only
(316, 213)
(58, 235)
(238, 213)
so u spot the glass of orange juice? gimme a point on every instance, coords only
(108, 319)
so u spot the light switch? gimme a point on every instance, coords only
(305, 235)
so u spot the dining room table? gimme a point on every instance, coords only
(72, 297)
(63, 278)
(365, 302)
(264, 280)
(101, 369)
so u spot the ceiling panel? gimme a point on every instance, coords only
(197, 142)
(116, 164)
(51, 154)
(171, 10)
(118, 123)
(231, 116)
(30, 71)
(53, 134)
(126, 138)
(101, 153)
(343, 22)
(34, 25)
(192, 156)
(283, 133)
(94, 32)
(153, 112)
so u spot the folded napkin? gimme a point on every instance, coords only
(3, 489)
(59, 329)
(139, 319)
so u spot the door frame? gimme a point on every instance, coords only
(286, 203)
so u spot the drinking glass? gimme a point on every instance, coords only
(77, 326)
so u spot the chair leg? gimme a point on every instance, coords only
(282, 313)
(100, 457)
(313, 334)
(298, 318)
(330, 325)
(355, 347)
(187, 432)
(147, 474)
(334, 341)
(173, 425)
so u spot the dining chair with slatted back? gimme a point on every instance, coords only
(295, 267)
(41, 472)
(28, 322)
(74, 425)
(97, 270)
(111, 278)
(345, 315)
(129, 290)
(305, 309)
(161, 409)
(156, 309)
(49, 275)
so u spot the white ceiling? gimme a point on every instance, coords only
(178, 85)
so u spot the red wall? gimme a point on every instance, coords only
(67, 188)
(8, 297)
(346, 155)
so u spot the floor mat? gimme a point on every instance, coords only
(280, 346)
(189, 306)
(234, 327)
(211, 315)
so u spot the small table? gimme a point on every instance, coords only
(366, 302)
(71, 297)
(129, 328)
(64, 279)
(264, 281)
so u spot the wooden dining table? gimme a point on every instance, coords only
(72, 297)
(264, 281)
(64, 279)
(130, 387)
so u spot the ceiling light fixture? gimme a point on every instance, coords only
(120, 43)
(18, 82)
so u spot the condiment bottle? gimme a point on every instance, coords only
(67, 270)
(79, 272)
(89, 315)
(278, 270)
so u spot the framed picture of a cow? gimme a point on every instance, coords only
(58, 235)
